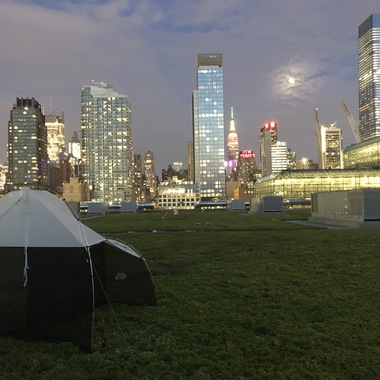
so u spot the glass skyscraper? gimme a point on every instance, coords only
(208, 128)
(106, 140)
(369, 77)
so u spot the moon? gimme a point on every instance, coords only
(291, 80)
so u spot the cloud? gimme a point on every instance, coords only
(299, 80)
(147, 50)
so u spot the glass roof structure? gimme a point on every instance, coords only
(300, 184)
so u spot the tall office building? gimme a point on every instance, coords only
(247, 167)
(279, 153)
(208, 128)
(292, 160)
(232, 149)
(74, 155)
(369, 77)
(330, 147)
(150, 174)
(74, 146)
(27, 146)
(138, 189)
(106, 137)
(268, 138)
(55, 127)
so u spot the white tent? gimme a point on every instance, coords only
(55, 270)
(36, 218)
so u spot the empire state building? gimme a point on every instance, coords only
(232, 148)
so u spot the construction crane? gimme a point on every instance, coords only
(321, 159)
(353, 124)
(317, 120)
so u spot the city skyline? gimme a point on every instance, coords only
(280, 60)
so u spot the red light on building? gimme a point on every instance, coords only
(269, 126)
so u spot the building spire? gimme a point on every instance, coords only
(232, 122)
(232, 139)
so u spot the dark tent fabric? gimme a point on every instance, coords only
(121, 271)
(50, 291)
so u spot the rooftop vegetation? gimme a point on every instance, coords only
(240, 296)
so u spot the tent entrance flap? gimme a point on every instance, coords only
(122, 273)
(13, 295)
(60, 295)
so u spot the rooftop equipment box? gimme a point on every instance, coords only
(347, 208)
(129, 207)
(96, 208)
(267, 204)
(236, 205)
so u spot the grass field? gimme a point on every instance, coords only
(239, 297)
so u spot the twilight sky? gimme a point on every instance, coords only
(147, 49)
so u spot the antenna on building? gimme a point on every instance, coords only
(51, 104)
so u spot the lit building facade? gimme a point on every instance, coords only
(3, 176)
(365, 154)
(179, 195)
(292, 159)
(75, 191)
(27, 146)
(208, 128)
(55, 127)
(246, 167)
(106, 138)
(75, 146)
(177, 166)
(300, 184)
(268, 137)
(74, 155)
(139, 189)
(174, 172)
(279, 154)
(331, 153)
(369, 77)
(150, 175)
(305, 163)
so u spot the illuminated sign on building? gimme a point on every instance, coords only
(247, 154)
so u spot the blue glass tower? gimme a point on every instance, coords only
(369, 77)
(208, 128)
